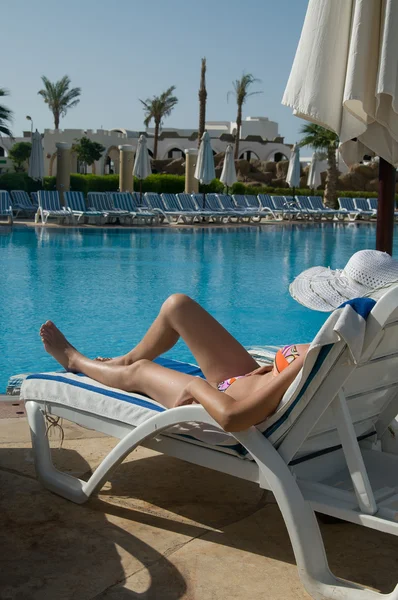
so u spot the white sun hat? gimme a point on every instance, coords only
(367, 273)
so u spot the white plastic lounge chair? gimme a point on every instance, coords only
(267, 204)
(175, 210)
(50, 208)
(229, 204)
(321, 450)
(5, 206)
(123, 201)
(21, 203)
(74, 202)
(154, 202)
(213, 205)
(189, 204)
(281, 204)
(348, 206)
(101, 202)
(373, 202)
(253, 209)
(305, 205)
(363, 205)
(328, 213)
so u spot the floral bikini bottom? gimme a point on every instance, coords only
(283, 358)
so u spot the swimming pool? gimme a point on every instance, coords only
(104, 287)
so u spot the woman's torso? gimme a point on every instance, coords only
(244, 386)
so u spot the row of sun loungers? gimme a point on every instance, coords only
(153, 208)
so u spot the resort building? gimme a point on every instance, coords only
(259, 140)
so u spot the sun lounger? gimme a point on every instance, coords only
(50, 208)
(74, 202)
(322, 450)
(328, 213)
(305, 205)
(353, 213)
(252, 207)
(363, 205)
(123, 202)
(35, 199)
(5, 206)
(281, 204)
(102, 202)
(176, 211)
(373, 202)
(21, 203)
(213, 205)
(267, 204)
(189, 204)
(228, 204)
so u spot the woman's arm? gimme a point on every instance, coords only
(235, 415)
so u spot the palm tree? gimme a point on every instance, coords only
(157, 108)
(327, 141)
(202, 100)
(5, 115)
(241, 92)
(59, 97)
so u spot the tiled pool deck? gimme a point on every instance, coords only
(161, 529)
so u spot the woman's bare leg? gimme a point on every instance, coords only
(216, 351)
(162, 384)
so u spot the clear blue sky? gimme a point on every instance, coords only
(122, 51)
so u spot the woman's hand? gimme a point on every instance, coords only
(185, 398)
(261, 370)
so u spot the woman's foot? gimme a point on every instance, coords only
(58, 346)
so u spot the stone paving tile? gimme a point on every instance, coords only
(253, 558)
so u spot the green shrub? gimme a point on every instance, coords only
(172, 184)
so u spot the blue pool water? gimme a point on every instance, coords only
(103, 288)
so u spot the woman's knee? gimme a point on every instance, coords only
(175, 303)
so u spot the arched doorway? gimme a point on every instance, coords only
(175, 153)
(112, 161)
(249, 155)
(279, 156)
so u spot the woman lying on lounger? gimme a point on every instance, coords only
(237, 393)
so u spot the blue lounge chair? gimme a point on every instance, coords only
(305, 205)
(35, 199)
(252, 201)
(228, 204)
(328, 213)
(213, 205)
(21, 203)
(6, 206)
(189, 204)
(286, 205)
(102, 202)
(347, 205)
(363, 205)
(174, 209)
(123, 201)
(50, 207)
(143, 213)
(268, 206)
(74, 202)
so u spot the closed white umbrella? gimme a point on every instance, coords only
(142, 164)
(228, 174)
(205, 172)
(293, 172)
(344, 77)
(314, 174)
(36, 160)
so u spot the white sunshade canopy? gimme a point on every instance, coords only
(228, 174)
(142, 164)
(345, 74)
(205, 172)
(314, 174)
(293, 172)
(36, 160)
